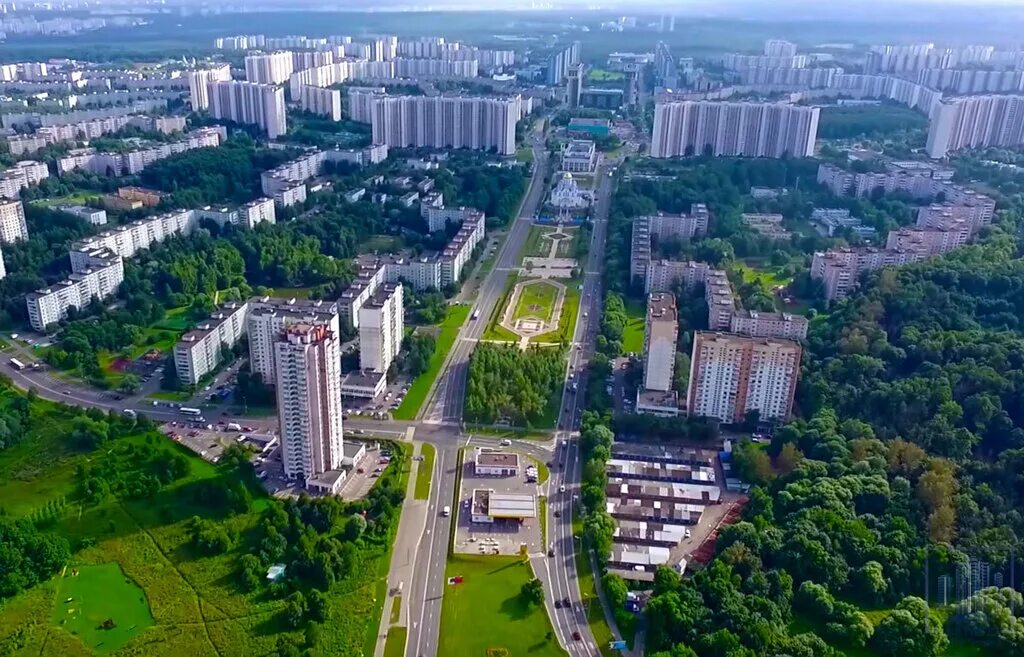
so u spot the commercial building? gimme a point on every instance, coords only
(661, 331)
(200, 350)
(606, 99)
(269, 68)
(579, 156)
(776, 130)
(92, 215)
(975, 122)
(732, 376)
(488, 506)
(269, 316)
(381, 328)
(12, 222)
(494, 463)
(98, 279)
(128, 239)
(23, 174)
(324, 102)
(249, 102)
(307, 358)
(447, 122)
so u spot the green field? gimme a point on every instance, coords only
(536, 299)
(486, 613)
(417, 394)
(604, 75)
(395, 645)
(633, 335)
(89, 596)
(524, 154)
(290, 292)
(425, 471)
(567, 321)
(196, 606)
(536, 246)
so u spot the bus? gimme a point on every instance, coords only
(190, 411)
(476, 314)
(17, 364)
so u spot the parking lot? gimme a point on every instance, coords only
(504, 537)
(381, 407)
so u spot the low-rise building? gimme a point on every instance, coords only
(488, 506)
(579, 156)
(92, 215)
(493, 463)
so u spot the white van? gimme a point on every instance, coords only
(446, 511)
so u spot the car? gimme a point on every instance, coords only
(561, 489)
(558, 514)
(566, 603)
(576, 636)
(558, 604)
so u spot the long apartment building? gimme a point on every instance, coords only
(269, 68)
(97, 279)
(249, 102)
(199, 84)
(12, 222)
(200, 350)
(447, 122)
(803, 78)
(904, 58)
(733, 375)
(127, 240)
(310, 164)
(664, 226)
(26, 173)
(323, 102)
(27, 144)
(308, 382)
(268, 316)
(661, 330)
(972, 80)
(133, 162)
(686, 128)
(437, 216)
(975, 122)
(735, 61)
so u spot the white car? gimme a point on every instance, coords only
(561, 489)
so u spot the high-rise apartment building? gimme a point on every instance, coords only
(732, 375)
(12, 222)
(381, 327)
(248, 102)
(324, 102)
(25, 173)
(686, 128)
(269, 68)
(447, 122)
(200, 350)
(779, 48)
(98, 280)
(574, 86)
(975, 122)
(199, 83)
(268, 316)
(307, 358)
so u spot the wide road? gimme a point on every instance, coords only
(559, 572)
(446, 403)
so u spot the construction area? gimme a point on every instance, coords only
(668, 504)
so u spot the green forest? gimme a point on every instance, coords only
(507, 384)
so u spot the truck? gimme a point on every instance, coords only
(17, 364)
(446, 511)
(234, 426)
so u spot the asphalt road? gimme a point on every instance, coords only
(446, 403)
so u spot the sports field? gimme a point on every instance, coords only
(101, 606)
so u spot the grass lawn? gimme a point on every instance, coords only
(533, 244)
(381, 243)
(71, 199)
(88, 596)
(588, 594)
(170, 395)
(486, 613)
(604, 75)
(633, 335)
(396, 609)
(524, 154)
(290, 292)
(567, 321)
(494, 330)
(542, 509)
(536, 299)
(395, 644)
(417, 394)
(771, 277)
(425, 471)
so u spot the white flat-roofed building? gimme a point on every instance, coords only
(447, 122)
(97, 281)
(364, 384)
(256, 212)
(92, 215)
(200, 350)
(664, 226)
(641, 532)
(199, 81)
(307, 360)
(12, 222)
(133, 162)
(688, 128)
(488, 506)
(579, 156)
(660, 334)
(665, 491)
(381, 328)
(26, 173)
(129, 239)
(637, 562)
(269, 316)
(633, 469)
(758, 324)
(732, 375)
(289, 196)
(269, 68)
(249, 102)
(460, 249)
(670, 513)
(493, 463)
(323, 102)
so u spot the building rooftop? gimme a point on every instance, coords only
(489, 458)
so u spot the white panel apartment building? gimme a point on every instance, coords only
(98, 280)
(732, 375)
(249, 102)
(664, 226)
(323, 102)
(661, 331)
(268, 317)
(132, 162)
(199, 84)
(460, 249)
(199, 351)
(381, 328)
(129, 239)
(12, 222)
(447, 122)
(687, 128)
(308, 362)
(975, 122)
(269, 68)
(23, 174)
(257, 211)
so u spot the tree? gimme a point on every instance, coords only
(355, 527)
(249, 572)
(533, 592)
(910, 631)
(295, 609)
(129, 384)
